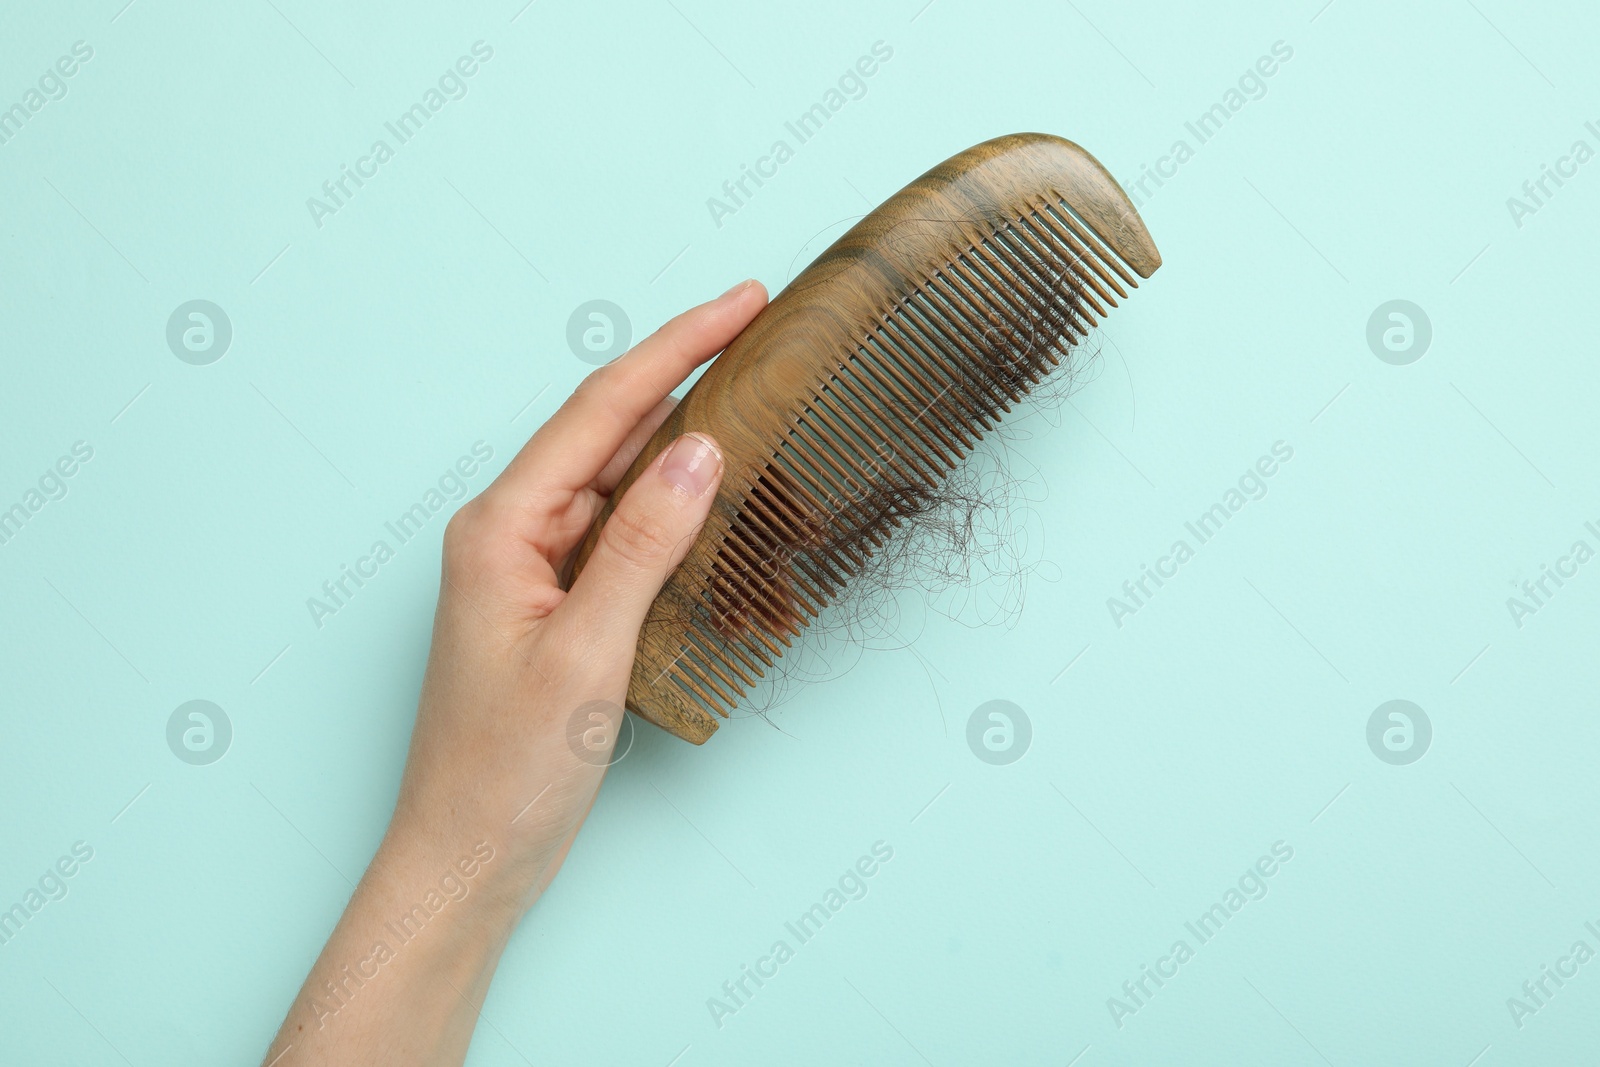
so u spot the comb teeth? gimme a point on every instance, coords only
(866, 448)
(845, 403)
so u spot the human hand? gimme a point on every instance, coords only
(514, 655)
(493, 784)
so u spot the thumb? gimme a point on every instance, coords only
(645, 538)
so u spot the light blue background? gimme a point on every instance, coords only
(430, 313)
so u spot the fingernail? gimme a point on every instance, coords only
(691, 464)
(737, 289)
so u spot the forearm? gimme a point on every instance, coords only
(401, 979)
(504, 765)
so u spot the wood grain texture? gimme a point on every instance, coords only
(980, 225)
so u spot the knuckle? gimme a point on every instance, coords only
(469, 536)
(602, 380)
(636, 537)
(595, 379)
(601, 387)
(460, 529)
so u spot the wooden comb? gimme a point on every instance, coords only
(856, 390)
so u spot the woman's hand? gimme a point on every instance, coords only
(495, 789)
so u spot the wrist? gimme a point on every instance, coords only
(412, 956)
(420, 880)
